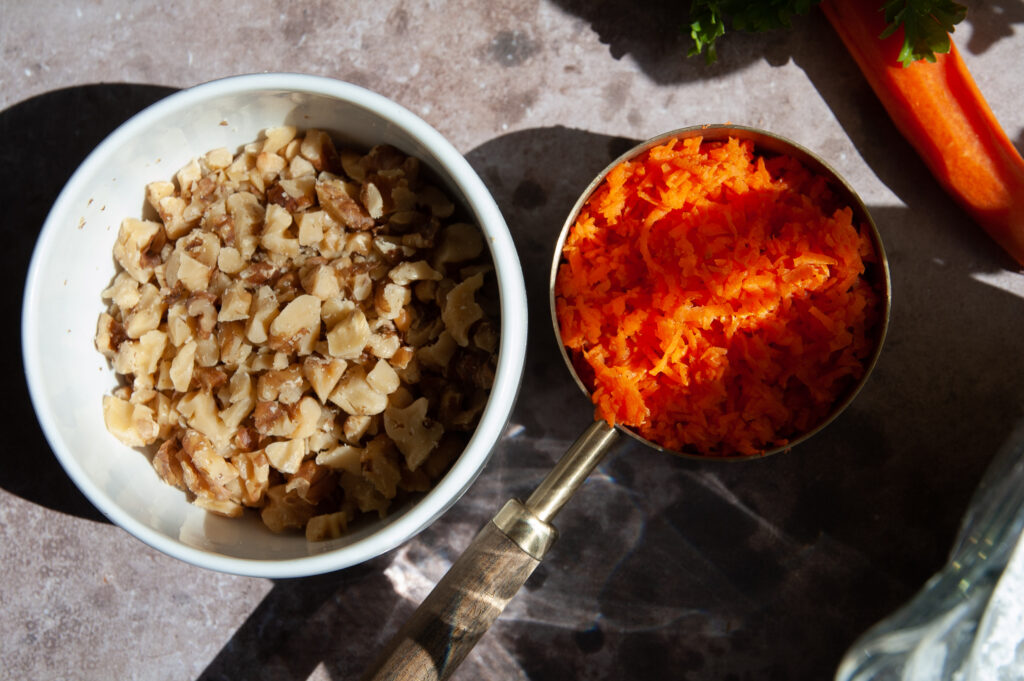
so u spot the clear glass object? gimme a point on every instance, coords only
(967, 623)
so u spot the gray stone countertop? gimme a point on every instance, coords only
(665, 568)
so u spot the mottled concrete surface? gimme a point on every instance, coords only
(665, 568)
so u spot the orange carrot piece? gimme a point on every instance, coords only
(939, 109)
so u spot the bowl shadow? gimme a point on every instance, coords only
(48, 136)
(303, 623)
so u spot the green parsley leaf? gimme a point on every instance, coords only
(708, 19)
(926, 26)
(706, 26)
(926, 23)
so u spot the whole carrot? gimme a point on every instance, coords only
(940, 111)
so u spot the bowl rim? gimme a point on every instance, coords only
(511, 357)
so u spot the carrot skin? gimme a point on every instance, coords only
(939, 109)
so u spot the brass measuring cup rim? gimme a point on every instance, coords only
(773, 145)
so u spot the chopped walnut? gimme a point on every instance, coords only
(263, 312)
(124, 292)
(272, 420)
(356, 396)
(297, 327)
(284, 385)
(338, 200)
(200, 411)
(318, 148)
(321, 281)
(323, 374)
(193, 260)
(225, 507)
(247, 217)
(461, 309)
(381, 465)
(349, 336)
(312, 482)
(312, 227)
(343, 457)
(287, 455)
(412, 431)
(372, 199)
(356, 427)
(217, 159)
(306, 417)
(433, 198)
(301, 332)
(235, 303)
(391, 299)
(276, 237)
(327, 526)
(182, 366)
(363, 493)
(254, 472)
(241, 398)
(459, 242)
(134, 248)
(485, 337)
(285, 510)
(109, 335)
(405, 273)
(234, 350)
(146, 314)
(383, 378)
(215, 471)
(167, 463)
(276, 138)
(440, 353)
(171, 208)
(230, 261)
(132, 424)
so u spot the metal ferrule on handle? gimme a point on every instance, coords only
(529, 524)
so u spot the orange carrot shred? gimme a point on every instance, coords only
(717, 297)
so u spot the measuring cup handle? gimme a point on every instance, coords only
(481, 582)
(460, 609)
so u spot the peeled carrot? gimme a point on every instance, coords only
(938, 108)
(717, 297)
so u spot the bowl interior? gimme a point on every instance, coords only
(73, 262)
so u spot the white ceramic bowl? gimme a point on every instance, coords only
(72, 263)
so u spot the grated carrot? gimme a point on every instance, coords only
(718, 298)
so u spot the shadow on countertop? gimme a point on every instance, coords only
(656, 35)
(327, 619)
(46, 139)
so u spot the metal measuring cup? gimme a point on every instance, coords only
(505, 553)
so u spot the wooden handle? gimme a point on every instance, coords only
(468, 599)
(459, 610)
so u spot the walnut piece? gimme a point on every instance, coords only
(413, 432)
(132, 249)
(461, 309)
